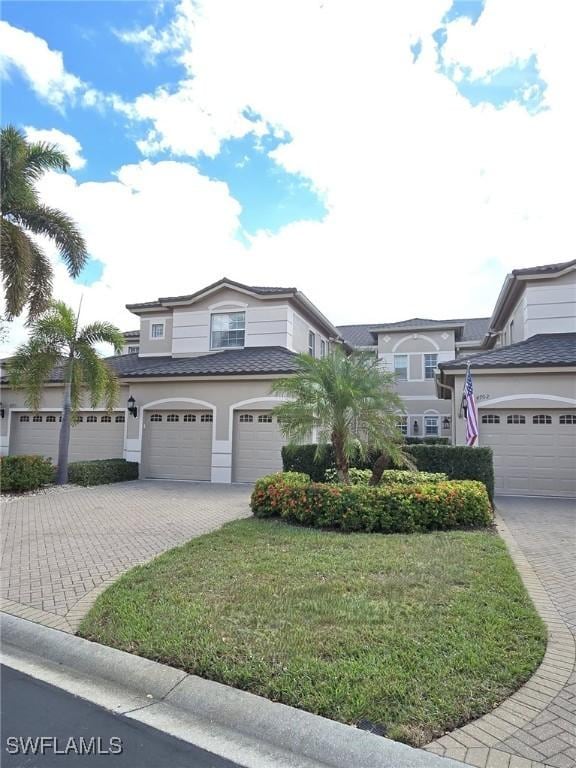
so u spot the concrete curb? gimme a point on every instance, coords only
(276, 727)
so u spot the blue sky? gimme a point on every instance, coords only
(308, 130)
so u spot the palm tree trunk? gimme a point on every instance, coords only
(64, 440)
(381, 463)
(342, 466)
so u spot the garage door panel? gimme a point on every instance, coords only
(177, 449)
(532, 458)
(257, 446)
(88, 440)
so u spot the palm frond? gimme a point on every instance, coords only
(102, 332)
(30, 367)
(16, 261)
(59, 227)
(41, 157)
(40, 283)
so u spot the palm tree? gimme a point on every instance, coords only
(26, 271)
(56, 344)
(348, 400)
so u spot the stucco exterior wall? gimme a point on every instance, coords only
(149, 346)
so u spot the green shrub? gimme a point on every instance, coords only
(263, 499)
(357, 476)
(457, 461)
(389, 508)
(102, 471)
(25, 473)
(402, 476)
(427, 440)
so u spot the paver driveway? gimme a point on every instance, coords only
(537, 725)
(60, 549)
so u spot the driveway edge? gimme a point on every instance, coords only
(162, 691)
(477, 742)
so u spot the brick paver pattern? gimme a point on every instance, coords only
(537, 725)
(62, 548)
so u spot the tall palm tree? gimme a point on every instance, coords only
(26, 271)
(57, 344)
(348, 400)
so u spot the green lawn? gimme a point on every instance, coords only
(418, 633)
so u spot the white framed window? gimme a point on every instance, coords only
(568, 418)
(430, 425)
(133, 349)
(154, 417)
(246, 418)
(312, 343)
(172, 417)
(403, 424)
(157, 330)
(120, 418)
(24, 418)
(490, 418)
(541, 418)
(189, 417)
(106, 419)
(91, 419)
(515, 418)
(401, 367)
(265, 418)
(430, 365)
(50, 419)
(207, 418)
(37, 419)
(77, 419)
(322, 348)
(227, 329)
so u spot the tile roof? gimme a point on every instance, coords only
(545, 268)
(542, 350)
(230, 362)
(259, 289)
(131, 334)
(474, 328)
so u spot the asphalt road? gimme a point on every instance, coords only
(32, 708)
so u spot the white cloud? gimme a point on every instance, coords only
(40, 65)
(64, 141)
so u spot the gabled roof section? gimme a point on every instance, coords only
(545, 269)
(132, 334)
(468, 329)
(544, 350)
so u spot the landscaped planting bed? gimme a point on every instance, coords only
(417, 633)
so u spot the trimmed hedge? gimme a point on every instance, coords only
(380, 509)
(427, 440)
(25, 473)
(102, 471)
(398, 476)
(458, 461)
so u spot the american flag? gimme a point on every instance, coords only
(470, 412)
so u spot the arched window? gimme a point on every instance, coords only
(24, 418)
(541, 418)
(189, 417)
(207, 418)
(172, 417)
(265, 418)
(120, 419)
(106, 419)
(50, 419)
(246, 418)
(156, 417)
(568, 418)
(516, 418)
(490, 418)
(37, 419)
(91, 419)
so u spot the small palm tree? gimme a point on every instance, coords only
(348, 400)
(26, 271)
(57, 344)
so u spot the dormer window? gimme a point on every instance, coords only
(227, 329)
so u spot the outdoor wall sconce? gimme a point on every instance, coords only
(415, 427)
(132, 409)
(1, 411)
(446, 423)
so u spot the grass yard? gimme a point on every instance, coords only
(418, 633)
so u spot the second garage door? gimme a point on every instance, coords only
(534, 451)
(177, 445)
(257, 446)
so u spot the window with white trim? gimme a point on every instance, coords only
(91, 419)
(401, 367)
(37, 419)
(430, 365)
(172, 417)
(156, 417)
(312, 343)
(106, 419)
(541, 418)
(50, 419)
(322, 348)
(568, 418)
(157, 330)
(120, 419)
(403, 425)
(24, 418)
(515, 418)
(77, 419)
(246, 418)
(265, 418)
(490, 418)
(207, 418)
(227, 329)
(189, 417)
(133, 349)
(430, 425)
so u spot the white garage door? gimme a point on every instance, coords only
(93, 436)
(177, 445)
(534, 450)
(257, 446)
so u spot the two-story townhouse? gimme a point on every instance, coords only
(412, 350)
(525, 383)
(196, 394)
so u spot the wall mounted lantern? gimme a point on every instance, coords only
(415, 427)
(446, 422)
(132, 409)
(1, 411)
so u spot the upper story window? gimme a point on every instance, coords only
(157, 330)
(227, 329)
(322, 348)
(430, 365)
(401, 367)
(312, 343)
(133, 349)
